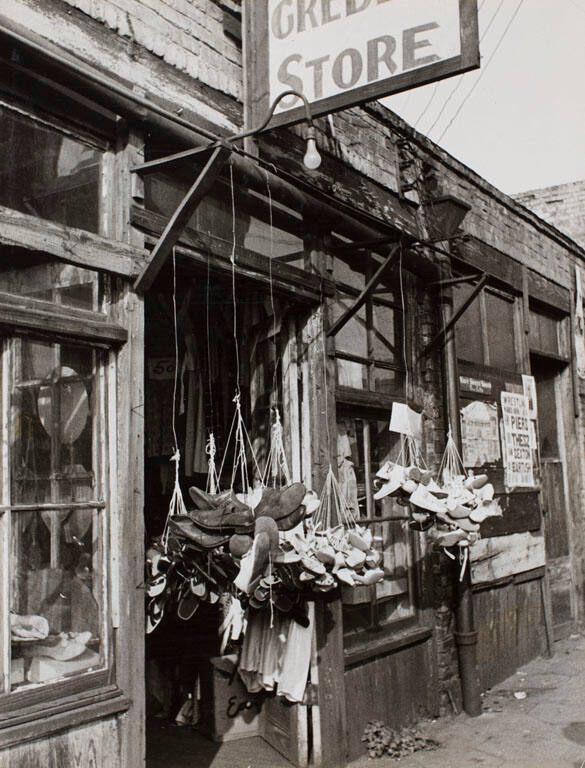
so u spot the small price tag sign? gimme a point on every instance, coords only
(161, 368)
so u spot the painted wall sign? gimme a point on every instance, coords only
(479, 386)
(480, 436)
(339, 53)
(517, 441)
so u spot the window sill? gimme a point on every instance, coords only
(47, 717)
(380, 644)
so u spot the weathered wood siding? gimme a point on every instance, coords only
(94, 746)
(510, 624)
(394, 688)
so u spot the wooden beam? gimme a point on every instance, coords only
(248, 262)
(74, 246)
(32, 315)
(179, 219)
(372, 283)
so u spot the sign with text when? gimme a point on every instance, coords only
(517, 441)
(339, 53)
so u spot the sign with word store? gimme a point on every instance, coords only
(339, 53)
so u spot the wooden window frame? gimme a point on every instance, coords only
(27, 714)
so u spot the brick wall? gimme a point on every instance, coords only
(563, 205)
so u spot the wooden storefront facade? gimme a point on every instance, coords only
(323, 293)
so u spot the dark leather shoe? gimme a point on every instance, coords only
(280, 502)
(182, 525)
(231, 516)
(204, 500)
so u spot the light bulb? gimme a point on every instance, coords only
(312, 158)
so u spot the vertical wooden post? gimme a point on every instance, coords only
(319, 388)
(127, 569)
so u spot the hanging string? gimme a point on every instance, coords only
(208, 333)
(404, 354)
(451, 465)
(233, 261)
(177, 503)
(270, 281)
(212, 485)
(276, 463)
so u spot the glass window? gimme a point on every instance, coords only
(499, 315)
(47, 173)
(363, 446)
(486, 333)
(370, 346)
(53, 426)
(25, 273)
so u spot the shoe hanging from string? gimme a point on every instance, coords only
(242, 444)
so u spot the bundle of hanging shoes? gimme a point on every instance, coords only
(450, 513)
(260, 554)
(224, 545)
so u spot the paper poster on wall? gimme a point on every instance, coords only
(529, 391)
(406, 421)
(479, 434)
(517, 450)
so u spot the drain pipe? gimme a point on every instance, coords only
(465, 632)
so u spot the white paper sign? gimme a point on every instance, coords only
(517, 441)
(406, 421)
(479, 434)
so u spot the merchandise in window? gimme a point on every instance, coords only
(363, 446)
(53, 494)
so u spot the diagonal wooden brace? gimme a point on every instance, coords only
(180, 218)
(372, 283)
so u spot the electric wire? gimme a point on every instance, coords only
(460, 80)
(483, 71)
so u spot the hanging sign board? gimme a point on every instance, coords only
(339, 53)
(517, 441)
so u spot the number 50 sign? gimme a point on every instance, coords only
(161, 367)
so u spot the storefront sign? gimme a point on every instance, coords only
(517, 441)
(339, 53)
(479, 434)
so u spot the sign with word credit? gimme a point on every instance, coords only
(339, 53)
(517, 441)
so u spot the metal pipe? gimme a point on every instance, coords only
(465, 633)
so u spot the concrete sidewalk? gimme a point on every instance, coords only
(534, 719)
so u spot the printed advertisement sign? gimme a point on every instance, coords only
(339, 53)
(517, 441)
(480, 436)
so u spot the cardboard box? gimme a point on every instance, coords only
(236, 713)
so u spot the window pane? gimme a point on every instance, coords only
(468, 327)
(387, 334)
(55, 614)
(51, 409)
(26, 273)
(388, 381)
(352, 338)
(350, 374)
(48, 174)
(543, 332)
(500, 327)
(55, 552)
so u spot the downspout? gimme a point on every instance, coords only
(465, 632)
